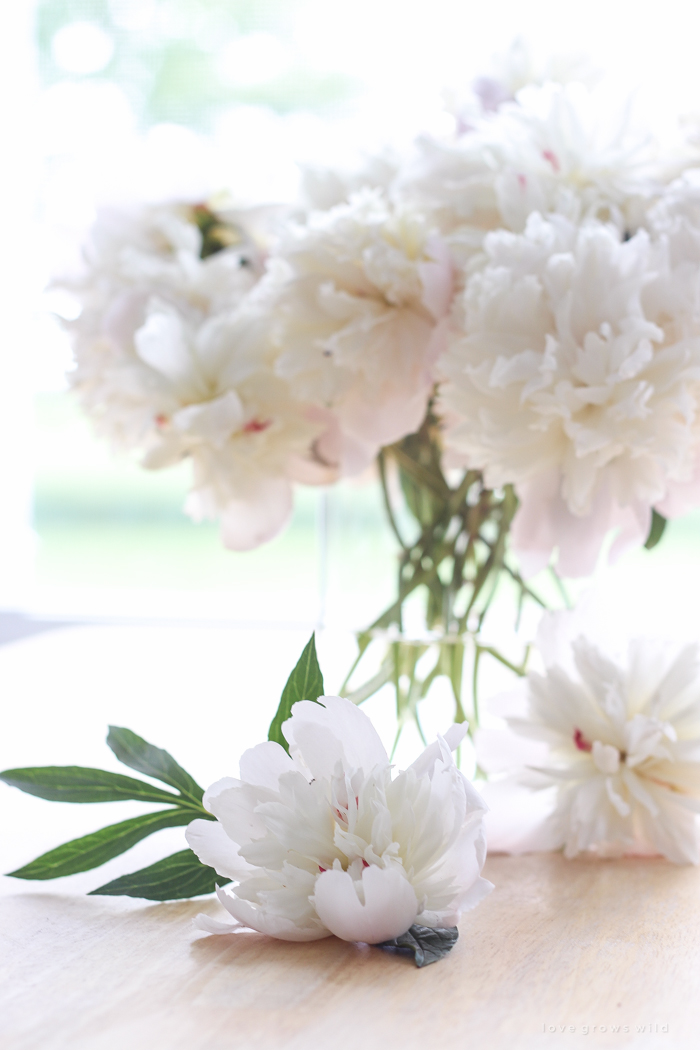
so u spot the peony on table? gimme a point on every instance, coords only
(557, 943)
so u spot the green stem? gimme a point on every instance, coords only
(561, 588)
(475, 686)
(381, 462)
(458, 556)
(521, 671)
(435, 483)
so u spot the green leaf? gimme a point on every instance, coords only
(138, 754)
(173, 878)
(80, 784)
(304, 683)
(424, 943)
(92, 850)
(658, 524)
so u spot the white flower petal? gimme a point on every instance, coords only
(214, 421)
(571, 373)
(366, 283)
(516, 817)
(264, 764)
(623, 781)
(246, 523)
(268, 921)
(606, 757)
(216, 789)
(234, 803)
(334, 841)
(331, 731)
(469, 899)
(389, 910)
(162, 343)
(423, 765)
(214, 847)
(214, 926)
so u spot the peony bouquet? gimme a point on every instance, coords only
(505, 324)
(505, 321)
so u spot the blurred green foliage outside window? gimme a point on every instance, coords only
(183, 61)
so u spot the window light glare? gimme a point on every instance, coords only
(82, 48)
(256, 58)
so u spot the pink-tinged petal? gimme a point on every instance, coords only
(307, 470)
(336, 452)
(681, 497)
(264, 764)
(580, 541)
(389, 910)
(437, 277)
(632, 524)
(532, 533)
(214, 421)
(246, 523)
(544, 521)
(268, 922)
(212, 845)
(400, 412)
(331, 731)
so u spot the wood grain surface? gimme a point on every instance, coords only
(586, 946)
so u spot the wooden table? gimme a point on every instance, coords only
(558, 945)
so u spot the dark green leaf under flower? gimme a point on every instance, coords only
(424, 943)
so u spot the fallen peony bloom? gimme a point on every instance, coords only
(612, 743)
(325, 841)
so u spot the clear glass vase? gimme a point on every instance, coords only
(419, 568)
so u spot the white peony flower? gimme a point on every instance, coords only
(509, 73)
(138, 262)
(615, 742)
(519, 67)
(453, 182)
(564, 149)
(356, 295)
(327, 841)
(573, 373)
(247, 438)
(172, 360)
(324, 188)
(557, 149)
